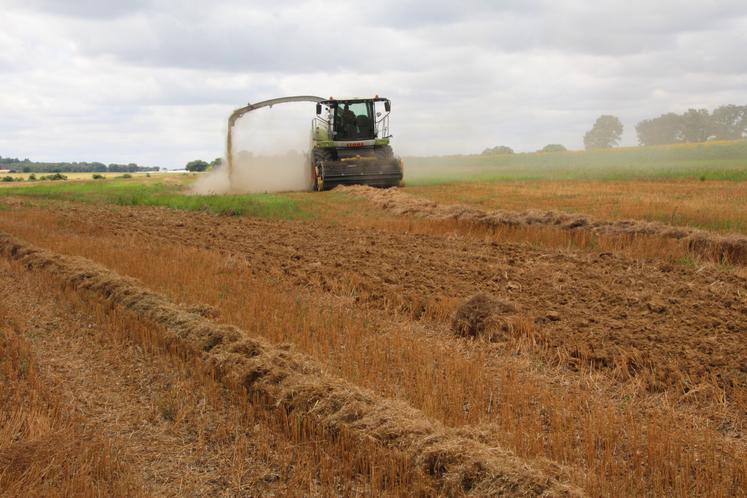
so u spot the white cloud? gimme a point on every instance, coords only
(154, 81)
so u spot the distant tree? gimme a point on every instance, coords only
(605, 133)
(197, 165)
(117, 168)
(666, 129)
(216, 163)
(553, 148)
(500, 149)
(729, 122)
(696, 125)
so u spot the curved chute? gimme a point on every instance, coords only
(235, 115)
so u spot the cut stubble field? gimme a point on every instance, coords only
(618, 372)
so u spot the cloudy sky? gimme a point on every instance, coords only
(153, 82)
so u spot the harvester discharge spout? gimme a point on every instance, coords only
(236, 114)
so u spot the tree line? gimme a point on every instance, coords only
(28, 166)
(200, 165)
(728, 122)
(504, 149)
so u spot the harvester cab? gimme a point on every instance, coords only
(350, 144)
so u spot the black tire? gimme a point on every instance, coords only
(318, 156)
(384, 152)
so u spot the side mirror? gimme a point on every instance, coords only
(318, 108)
(387, 106)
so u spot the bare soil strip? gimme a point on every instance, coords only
(711, 246)
(289, 380)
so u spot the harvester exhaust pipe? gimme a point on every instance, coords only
(235, 115)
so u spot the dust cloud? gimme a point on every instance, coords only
(270, 153)
(254, 174)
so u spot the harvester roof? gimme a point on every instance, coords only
(354, 99)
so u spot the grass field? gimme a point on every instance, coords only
(689, 184)
(75, 176)
(718, 205)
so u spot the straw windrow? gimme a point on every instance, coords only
(722, 248)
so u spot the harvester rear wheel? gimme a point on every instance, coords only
(318, 156)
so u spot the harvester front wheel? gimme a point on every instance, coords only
(384, 152)
(318, 156)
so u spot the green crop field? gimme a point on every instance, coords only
(174, 193)
(707, 161)
(611, 183)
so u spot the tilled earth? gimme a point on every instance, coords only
(670, 325)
